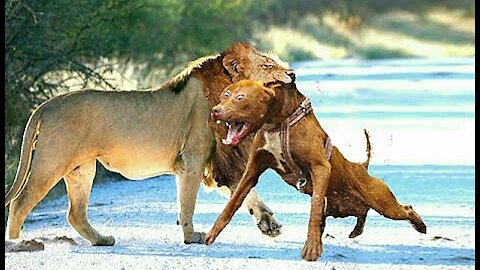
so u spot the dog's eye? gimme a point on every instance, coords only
(239, 97)
(226, 94)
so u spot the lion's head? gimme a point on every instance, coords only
(243, 61)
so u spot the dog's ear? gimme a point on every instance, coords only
(269, 91)
(273, 85)
(229, 87)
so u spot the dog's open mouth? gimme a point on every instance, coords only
(236, 131)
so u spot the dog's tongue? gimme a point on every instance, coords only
(233, 133)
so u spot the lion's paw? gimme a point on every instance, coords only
(104, 241)
(195, 238)
(269, 225)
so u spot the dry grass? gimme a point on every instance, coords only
(437, 33)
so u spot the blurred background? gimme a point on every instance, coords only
(404, 70)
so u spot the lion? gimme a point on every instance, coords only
(140, 134)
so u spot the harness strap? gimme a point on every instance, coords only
(328, 148)
(285, 142)
(304, 109)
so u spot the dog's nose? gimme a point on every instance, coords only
(216, 112)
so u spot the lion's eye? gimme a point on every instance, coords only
(226, 94)
(267, 66)
(239, 97)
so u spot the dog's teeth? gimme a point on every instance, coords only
(218, 122)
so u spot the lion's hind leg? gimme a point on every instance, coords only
(79, 184)
(38, 184)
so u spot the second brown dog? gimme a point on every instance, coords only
(249, 106)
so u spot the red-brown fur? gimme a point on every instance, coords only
(348, 186)
(228, 163)
(233, 65)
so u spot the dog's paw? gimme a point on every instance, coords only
(269, 225)
(356, 232)
(312, 249)
(415, 219)
(210, 238)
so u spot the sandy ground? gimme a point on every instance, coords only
(142, 214)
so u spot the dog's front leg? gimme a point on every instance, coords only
(256, 165)
(313, 246)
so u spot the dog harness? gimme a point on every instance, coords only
(304, 109)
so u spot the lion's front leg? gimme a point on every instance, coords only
(189, 170)
(187, 189)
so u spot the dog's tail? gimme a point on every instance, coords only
(369, 149)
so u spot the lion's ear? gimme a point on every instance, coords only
(239, 48)
(232, 61)
(232, 64)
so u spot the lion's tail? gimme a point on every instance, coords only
(369, 149)
(28, 145)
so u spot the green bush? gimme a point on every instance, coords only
(45, 37)
(375, 52)
(298, 54)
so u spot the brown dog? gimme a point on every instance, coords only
(304, 158)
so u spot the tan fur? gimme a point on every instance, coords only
(273, 146)
(138, 134)
(348, 187)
